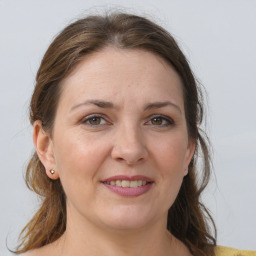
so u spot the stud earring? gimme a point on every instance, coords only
(52, 171)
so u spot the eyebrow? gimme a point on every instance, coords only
(161, 105)
(98, 103)
(107, 104)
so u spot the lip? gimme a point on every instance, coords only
(130, 178)
(129, 192)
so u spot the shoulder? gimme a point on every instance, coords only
(227, 251)
(41, 251)
(49, 249)
(34, 252)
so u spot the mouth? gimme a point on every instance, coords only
(127, 183)
(128, 186)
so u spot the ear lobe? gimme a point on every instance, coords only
(190, 152)
(44, 148)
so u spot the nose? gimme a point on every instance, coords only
(129, 146)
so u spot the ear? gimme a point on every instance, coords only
(44, 148)
(189, 154)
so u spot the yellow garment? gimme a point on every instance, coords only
(226, 251)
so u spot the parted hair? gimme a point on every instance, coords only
(188, 218)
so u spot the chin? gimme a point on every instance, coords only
(128, 218)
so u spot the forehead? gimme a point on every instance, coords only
(122, 75)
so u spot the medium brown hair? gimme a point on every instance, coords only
(188, 219)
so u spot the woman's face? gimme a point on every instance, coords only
(120, 143)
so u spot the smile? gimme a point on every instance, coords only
(127, 183)
(128, 186)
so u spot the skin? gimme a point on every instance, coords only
(124, 140)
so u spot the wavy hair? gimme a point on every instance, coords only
(188, 218)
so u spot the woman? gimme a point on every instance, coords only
(116, 114)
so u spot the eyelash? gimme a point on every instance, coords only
(91, 117)
(169, 121)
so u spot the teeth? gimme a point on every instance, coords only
(127, 183)
(133, 184)
(118, 183)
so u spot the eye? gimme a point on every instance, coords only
(94, 120)
(160, 120)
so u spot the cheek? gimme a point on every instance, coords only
(170, 160)
(78, 155)
(78, 161)
(171, 154)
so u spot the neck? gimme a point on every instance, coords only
(83, 238)
(86, 239)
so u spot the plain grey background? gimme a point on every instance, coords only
(219, 39)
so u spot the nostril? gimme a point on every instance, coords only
(129, 151)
